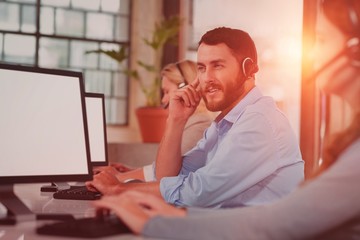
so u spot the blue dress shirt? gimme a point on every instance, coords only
(250, 157)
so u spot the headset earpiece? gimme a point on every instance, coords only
(353, 46)
(249, 68)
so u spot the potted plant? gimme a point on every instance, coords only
(151, 117)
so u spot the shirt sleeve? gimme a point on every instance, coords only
(327, 206)
(242, 159)
(149, 172)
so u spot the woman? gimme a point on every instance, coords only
(325, 207)
(173, 77)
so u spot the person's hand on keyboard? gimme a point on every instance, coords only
(105, 182)
(136, 208)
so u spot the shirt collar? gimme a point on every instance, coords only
(250, 98)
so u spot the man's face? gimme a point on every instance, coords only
(220, 76)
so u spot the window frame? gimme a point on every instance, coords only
(38, 35)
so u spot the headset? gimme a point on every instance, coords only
(353, 44)
(185, 82)
(352, 47)
(249, 67)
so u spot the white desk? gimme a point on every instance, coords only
(40, 202)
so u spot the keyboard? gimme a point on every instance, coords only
(93, 227)
(77, 193)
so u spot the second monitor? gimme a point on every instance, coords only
(95, 111)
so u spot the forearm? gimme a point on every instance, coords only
(149, 187)
(169, 157)
(133, 174)
(208, 224)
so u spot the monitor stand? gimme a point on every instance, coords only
(55, 186)
(17, 211)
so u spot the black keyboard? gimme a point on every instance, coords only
(85, 227)
(77, 193)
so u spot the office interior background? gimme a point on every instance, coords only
(57, 34)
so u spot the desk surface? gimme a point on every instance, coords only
(40, 202)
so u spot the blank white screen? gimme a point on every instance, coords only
(41, 125)
(95, 120)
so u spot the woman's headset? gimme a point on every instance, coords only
(185, 82)
(352, 48)
(353, 44)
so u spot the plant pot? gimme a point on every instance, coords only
(152, 121)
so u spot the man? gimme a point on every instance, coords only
(248, 156)
(326, 207)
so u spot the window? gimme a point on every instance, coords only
(58, 33)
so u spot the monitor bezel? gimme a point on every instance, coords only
(102, 97)
(54, 178)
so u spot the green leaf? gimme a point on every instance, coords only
(147, 67)
(131, 73)
(164, 32)
(119, 56)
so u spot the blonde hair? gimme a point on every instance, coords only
(184, 71)
(180, 72)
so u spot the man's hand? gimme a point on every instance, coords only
(136, 208)
(184, 101)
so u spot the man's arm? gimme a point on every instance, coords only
(169, 157)
(182, 105)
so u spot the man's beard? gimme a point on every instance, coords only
(229, 96)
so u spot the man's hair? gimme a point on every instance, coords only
(237, 40)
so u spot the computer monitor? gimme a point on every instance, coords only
(43, 130)
(95, 110)
(96, 120)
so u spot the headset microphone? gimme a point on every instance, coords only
(185, 82)
(352, 48)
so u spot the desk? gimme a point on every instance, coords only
(40, 202)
